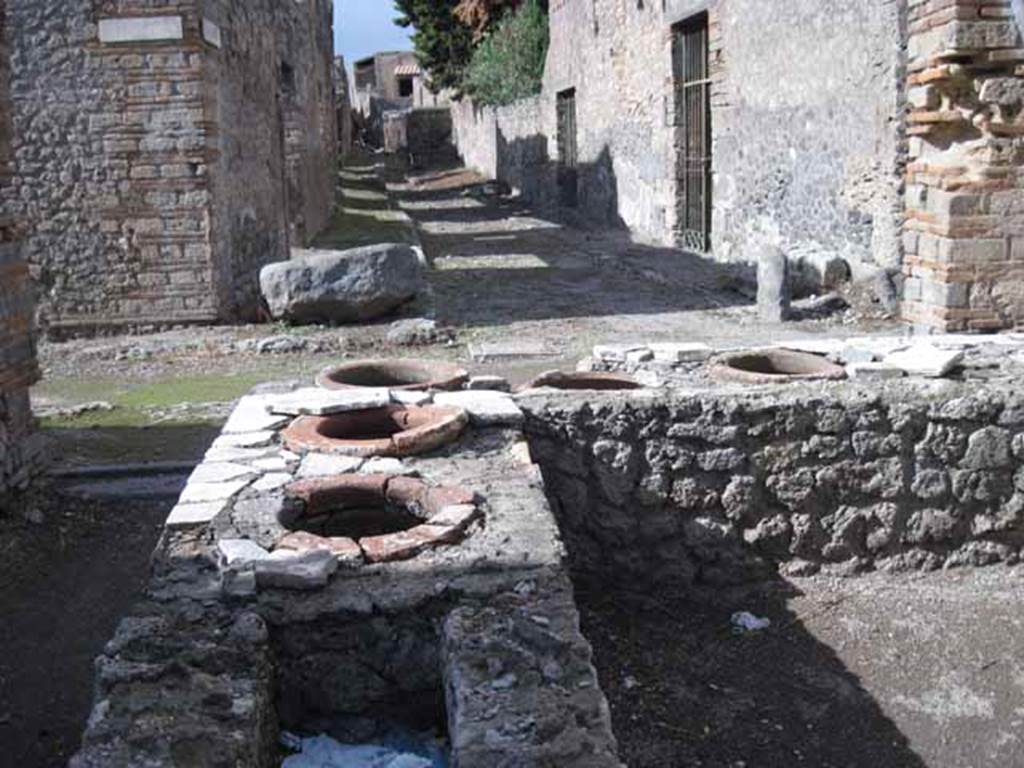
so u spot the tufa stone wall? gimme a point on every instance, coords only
(18, 369)
(964, 231)
(725, 488)
(805, 123)
(153, 177)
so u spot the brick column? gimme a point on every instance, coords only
(964, 229)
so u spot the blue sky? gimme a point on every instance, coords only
(363, 27)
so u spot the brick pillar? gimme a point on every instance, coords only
(964, 229)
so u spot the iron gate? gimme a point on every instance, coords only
(693, 104)
(568, 157)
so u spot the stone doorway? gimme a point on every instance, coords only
(568, 151)
(692, 84)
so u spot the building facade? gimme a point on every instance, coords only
(862, 131)
(18, 369)
(165, 151)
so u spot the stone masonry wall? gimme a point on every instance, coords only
(18, 369)
(305, 46)
(965, 216)
(805, 123)
(152, 176)
(722, 488)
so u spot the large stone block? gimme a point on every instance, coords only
(342, 286)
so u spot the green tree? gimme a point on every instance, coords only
(509, 63)
(443, 44)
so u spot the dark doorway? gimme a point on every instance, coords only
(568, 152)
(693, 110)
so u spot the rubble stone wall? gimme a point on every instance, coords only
(717, 488)
(152, 178)
(964, 232)
(18, 369)
(805, 123)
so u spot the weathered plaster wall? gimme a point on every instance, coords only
(805, 116)
(18, 369)
(965, 217)
(152, 176)
(718, 488)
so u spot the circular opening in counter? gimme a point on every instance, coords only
(391, 431)
(407, 375)
(592, 381)
(388, 517)
(771, 366)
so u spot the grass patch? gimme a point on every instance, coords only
(134, 406)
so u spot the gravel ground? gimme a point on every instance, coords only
(900, 671)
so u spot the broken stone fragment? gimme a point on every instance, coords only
(286, 569)
(186, 515)
(485, 409)
(315, 401)
(323, 465)
(925, 360)
(666, 352)
(617, 353)
(240, 553)
(488, 383)
(874, 371)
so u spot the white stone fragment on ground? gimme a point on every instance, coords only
(639, 355)
(240, 553)
(410, 397)
(324, 752)
(322, 465)
(219, 472)
(668, 352)
(874, 371)
(314, 401)
(385, 466)
(648, 378)
(855, 355)
(879, 346)
(186, 515)
(925, 360)
(824, 347)
(488, 383)
(250, 415)
(517, 349)
(285, 569)
(616, 353)
(197, 493)
(260, 439)
(272, 482)
(485, 409)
